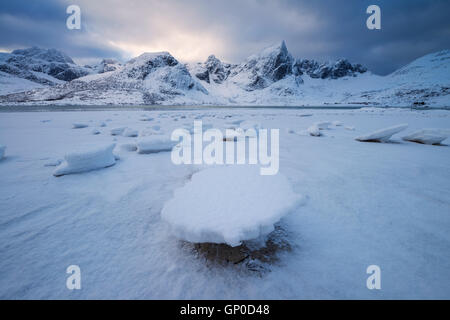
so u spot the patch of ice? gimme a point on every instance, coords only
(382, 135)
(229, 204)
(323, 125)
(428, 136)
(154, 143)
(86, 160)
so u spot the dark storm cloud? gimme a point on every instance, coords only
(42, 23)
(191, 30)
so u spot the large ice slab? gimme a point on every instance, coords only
(86, 160)
(382, 135)
(154, 143)
(229, 204)
(428, 136)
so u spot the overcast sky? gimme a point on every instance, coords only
(231, 29)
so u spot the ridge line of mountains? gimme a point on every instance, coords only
(271, 77)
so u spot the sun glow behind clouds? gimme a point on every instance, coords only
(186, 47)
(193, 30)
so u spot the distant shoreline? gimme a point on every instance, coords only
(52, 108)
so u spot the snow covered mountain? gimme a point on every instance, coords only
(39, 66)
(150, 78)
(271, 77)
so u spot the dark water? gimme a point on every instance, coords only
(149, 108)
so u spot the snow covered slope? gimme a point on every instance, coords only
(271, 77)
(150, 78)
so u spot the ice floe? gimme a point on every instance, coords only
(314, 131)
(229, 204)
(117, 131)
(154, 143)
(428, 136)
(382, 135)
(86, 160)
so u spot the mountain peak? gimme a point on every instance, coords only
(51, 55)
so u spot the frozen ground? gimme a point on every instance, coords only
(365, 203)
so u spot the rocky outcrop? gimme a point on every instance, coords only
(259, 71)
(106, 65)
(339, 69)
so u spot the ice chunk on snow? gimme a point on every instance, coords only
(2, 151)
(337, 123)
(87, 160)
(128, 147)
(428, 136)
(79, 125)
(95, 131)
(229, 204)
(117, 131)
(130, 133)
(314, 131)
(323, 125)
(350, 128)
(382, 135)
(155, 143)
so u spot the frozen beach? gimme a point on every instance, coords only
(363, 203)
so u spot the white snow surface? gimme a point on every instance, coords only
(365, 203)
(86, 160)
(383, 135)
(229, 204)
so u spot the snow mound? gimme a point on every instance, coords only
(82, 161)
(229, 204)
(2, 151)
(428, 136)
(155, 143)
(382, 135)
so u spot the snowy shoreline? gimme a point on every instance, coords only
(72, 108)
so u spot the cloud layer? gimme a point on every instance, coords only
(232, 29)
